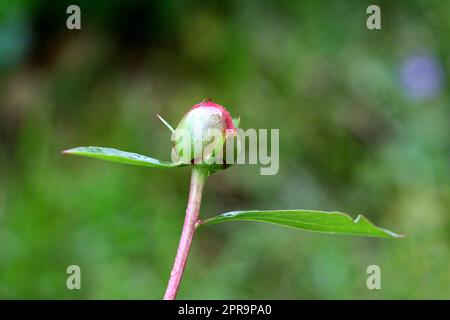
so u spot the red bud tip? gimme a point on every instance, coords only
(225, 114)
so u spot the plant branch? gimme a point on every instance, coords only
(198, 179)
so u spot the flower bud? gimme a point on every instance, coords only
(201, 136)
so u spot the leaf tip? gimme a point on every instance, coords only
(386, 232)
(165, 122)
(68, 151)
(236, 121)
(394, 235)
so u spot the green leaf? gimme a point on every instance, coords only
(309, 220)
(115, 155)
(236, 122)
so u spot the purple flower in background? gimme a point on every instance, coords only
(422, 76)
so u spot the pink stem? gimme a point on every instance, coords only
(198, 179)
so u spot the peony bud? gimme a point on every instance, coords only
(201, 136)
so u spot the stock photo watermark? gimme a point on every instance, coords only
(374, 280)
(213, 147)
(73, 22)
(73, 281)
(373, 22)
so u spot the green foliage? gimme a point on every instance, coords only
(114, 155)
(308, 220)
(236, 122)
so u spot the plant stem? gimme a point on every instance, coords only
(198, 179)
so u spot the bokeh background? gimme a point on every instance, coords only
(364, 128)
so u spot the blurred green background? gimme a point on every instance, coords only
(364, 128)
